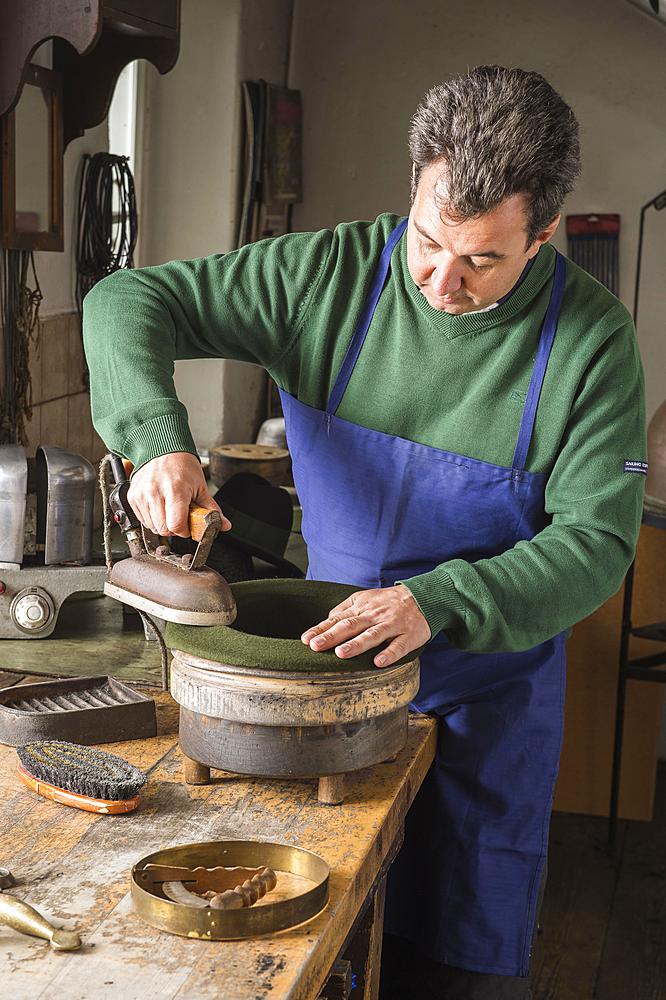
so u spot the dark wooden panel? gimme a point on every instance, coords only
(592, 665)
(306, 751)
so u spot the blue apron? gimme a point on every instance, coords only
(379, 508)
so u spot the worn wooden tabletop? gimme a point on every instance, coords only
(74, 867)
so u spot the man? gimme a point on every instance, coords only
(465, 416)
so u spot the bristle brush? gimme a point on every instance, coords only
(79, 776)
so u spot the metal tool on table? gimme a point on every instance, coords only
(22, 917)
(87, 710)
(170, 906)
(46, 518)
(156, 580)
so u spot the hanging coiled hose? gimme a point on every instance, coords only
(107, 220)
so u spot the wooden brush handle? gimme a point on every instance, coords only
(246, 894)
(105, 807)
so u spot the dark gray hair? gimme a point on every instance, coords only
(499, 132)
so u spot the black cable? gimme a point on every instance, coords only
(105, 242)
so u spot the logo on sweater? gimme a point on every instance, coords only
(641, 467)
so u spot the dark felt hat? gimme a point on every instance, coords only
(261, 516)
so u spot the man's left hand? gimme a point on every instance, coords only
(369, 618)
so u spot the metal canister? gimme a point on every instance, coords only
(13, 490)
(65, 501)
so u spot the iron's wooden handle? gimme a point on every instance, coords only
(200, 519)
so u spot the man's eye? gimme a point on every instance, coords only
(481, 267)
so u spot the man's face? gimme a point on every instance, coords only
(461, 266)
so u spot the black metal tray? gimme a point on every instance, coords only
(84, 710)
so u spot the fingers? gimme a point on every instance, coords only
(340, 610)
(162, 491)
(393, 652)
(334, 632)
(204, 499)
(386, 616)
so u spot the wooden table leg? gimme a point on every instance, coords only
(365, 949)
(195, 773)
(331, 790)
(374, 960)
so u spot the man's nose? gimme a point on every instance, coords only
(447, 277)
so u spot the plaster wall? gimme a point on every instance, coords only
(189, 157)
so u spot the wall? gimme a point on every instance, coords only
(61, 403)
(189, 169)
(364, 67)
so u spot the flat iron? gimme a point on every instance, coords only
(159, 582)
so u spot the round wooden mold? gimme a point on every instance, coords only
(263, 460)
(273, 723)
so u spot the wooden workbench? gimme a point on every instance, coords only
(74, 867)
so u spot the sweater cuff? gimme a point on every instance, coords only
(437, 597)
(160, 435)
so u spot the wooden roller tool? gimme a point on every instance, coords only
(235, 888)
(246, 894)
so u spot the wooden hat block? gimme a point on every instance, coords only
(255, 700)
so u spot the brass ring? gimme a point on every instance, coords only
(225, 925)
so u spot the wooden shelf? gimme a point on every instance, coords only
(92, 41)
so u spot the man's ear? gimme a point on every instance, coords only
(545, 235)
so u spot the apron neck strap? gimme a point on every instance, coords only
(365, 318)
(545, 344)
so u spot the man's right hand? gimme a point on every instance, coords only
(163, 489)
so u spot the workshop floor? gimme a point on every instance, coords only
(604, 915)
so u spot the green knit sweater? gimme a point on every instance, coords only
(452, 382)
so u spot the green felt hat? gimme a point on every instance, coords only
(272, 616)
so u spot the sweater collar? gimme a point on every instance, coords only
(528, 286)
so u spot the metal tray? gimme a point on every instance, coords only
(86, 710)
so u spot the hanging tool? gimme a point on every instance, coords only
(156, 580)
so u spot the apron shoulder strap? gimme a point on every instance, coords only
(365, 318)
(543, 353)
